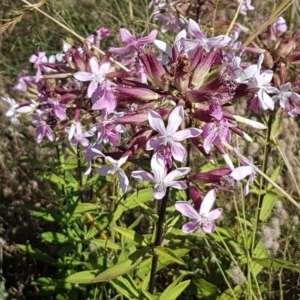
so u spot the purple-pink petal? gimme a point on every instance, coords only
(215, 214)
(186, 209)
(92, 88)
(106, 169)
(178, 151)
(179, 184)
(191, 226)
(186, 133)
(207, 202)
(83, 76)
(176, 173)
(154, 143)
(175, 120)
(143, 175)
(240, 173)
(209, 227)
(123, 180)
(159, 191)
(156, 122)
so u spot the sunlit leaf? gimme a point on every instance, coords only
(260, 252)
(133, 201)
(54, 237)
(83, 277)
(126, 287)
(269, 200)
(131, 235)
(38, 254)
(174, 289)
(168, 254)
(122, 268)
(276, 263)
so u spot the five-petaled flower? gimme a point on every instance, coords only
(203, 218)
(169, 136)
(160, 178)
(96, 76)
(115, 167)
(246, 169)
(133, 43)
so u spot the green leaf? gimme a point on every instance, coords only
(260, 252)
(131, 235)
(82, 208)
(277, 263)
(168, 254)
(276, 126)
(174, 289)
(38, 254)
(59, 181)
(123, 267)
(133, 201)
(149, 296)
(274, 177)
(205, 289)
(105, 244)
(144, 267)
(244, 221)
(54, 237)
(126, 287)
(268, 203)
(83, 277)
(237, 293)
(42, 213)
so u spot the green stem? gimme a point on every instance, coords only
(158, 240)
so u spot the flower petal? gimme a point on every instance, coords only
(94, 65)
(186, 209)
(190, 226)
(215, 214)
(83, 76)
(143, 175)
(159, 191)
(156, 122)
(106, 169)
(175, 120)
(207, 202)
(186, 133)
(178, 151)
(240, 173)
(123, 180)
(176, 173)
(209, 227)
(179, 184)
(158, 167)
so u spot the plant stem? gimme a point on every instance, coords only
(158, 240)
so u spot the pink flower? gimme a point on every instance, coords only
(96, 77)
(77, 136)
(200, 39)
(42, 128)
(37, 61)
(160, 178)
(203, 218)
(169, 136)
(115, 167)
(133, 43)
(247, 169)
(214, 133)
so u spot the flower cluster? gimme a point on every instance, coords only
(150, 107)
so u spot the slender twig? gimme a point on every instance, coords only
(68, 29)
(158, 240)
